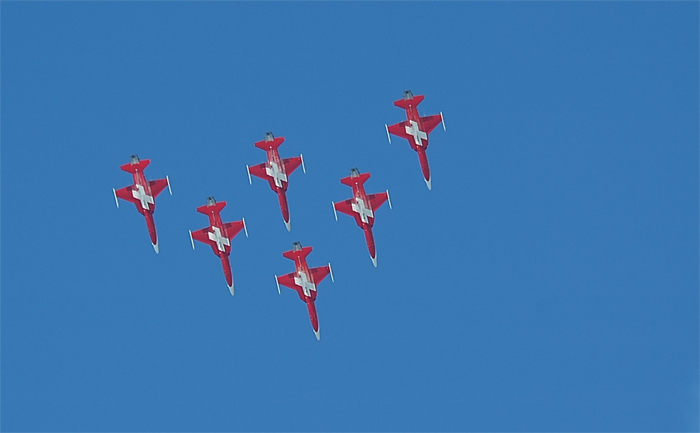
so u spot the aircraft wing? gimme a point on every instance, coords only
(126, 194)
(232, 229)
(318, 274)
(157, 186)
(345, 207)
(399, 129)
(376, 200)
(288, 281)
(259, 171)
(430, 122)
(203, 237)
(291, 164)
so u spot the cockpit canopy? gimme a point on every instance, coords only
(135, 159)
(269, 136)
(211, 201)
(296, 246)
(354, 172)
(407, 94)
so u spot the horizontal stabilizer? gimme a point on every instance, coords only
(216, 208)
(138, 166)
(302, 253)
(271, 144)
(352, 180)
(412, 102)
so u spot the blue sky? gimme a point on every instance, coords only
(548, 282)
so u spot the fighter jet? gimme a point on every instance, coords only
(143, 193)
(416, 129)
(218, 235)
(276, 171)
(304, 281)
(362, 207)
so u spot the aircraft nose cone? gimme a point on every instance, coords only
(318, 334)
(155, 247)
(289, 225)
(429, 182)
(230, 289)
(374, 260)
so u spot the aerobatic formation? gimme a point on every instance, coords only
(276, 171)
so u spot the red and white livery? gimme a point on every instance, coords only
(218, 235)
(362, 207)
(276, 171)
(305, 281)
(143, 193)
(416, 129)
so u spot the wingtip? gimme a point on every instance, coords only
(156, 247)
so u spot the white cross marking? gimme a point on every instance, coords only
(273, 170)
(303, 281)
(359, 207)
(220, 240)
(418, 135)
(140, 194)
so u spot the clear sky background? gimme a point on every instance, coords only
(548, 282)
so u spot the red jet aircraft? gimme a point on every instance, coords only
(416, 129)
(143, 193)
(218, 235)
(362, 207)
(304, 281)
(276, 170)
